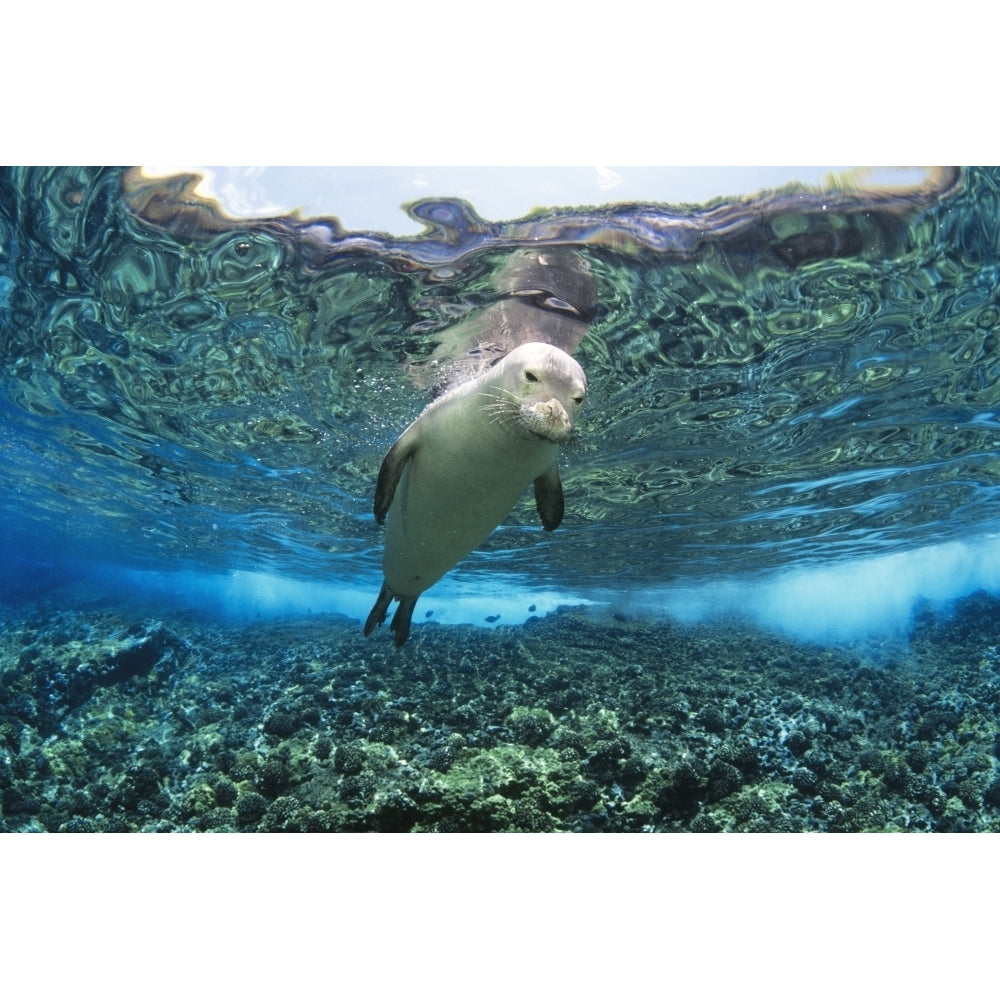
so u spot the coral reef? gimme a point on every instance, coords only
(112, 719)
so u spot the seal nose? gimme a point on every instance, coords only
(559, 413)
(556, 417)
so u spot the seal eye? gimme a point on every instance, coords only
(578, 400)
(530, 376)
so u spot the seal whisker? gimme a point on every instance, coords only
(503, 410)
(506, 399)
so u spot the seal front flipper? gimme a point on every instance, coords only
(549, 498)
(391, 470)
(377, 614)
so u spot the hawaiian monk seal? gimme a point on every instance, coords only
(455, 473)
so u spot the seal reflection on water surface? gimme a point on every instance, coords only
(456, 472)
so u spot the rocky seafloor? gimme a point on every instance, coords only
(116, 718)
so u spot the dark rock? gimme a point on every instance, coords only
(349, 759)
(711, 719)
(281, 724)
(250, 807)
(274, 775)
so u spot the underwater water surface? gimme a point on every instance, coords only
(794, 380)
(792, 413)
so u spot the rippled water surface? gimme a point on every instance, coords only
(791, 379)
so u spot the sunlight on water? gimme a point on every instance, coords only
(369, 198)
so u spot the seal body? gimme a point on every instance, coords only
(455, 473)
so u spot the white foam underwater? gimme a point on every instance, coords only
(249, 595)
(866, 598)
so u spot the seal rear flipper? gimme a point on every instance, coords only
(549, 498)
(377, 614)
(390, 472)
(401, 620)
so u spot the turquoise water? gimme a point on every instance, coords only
(782, 384)
(780, 516)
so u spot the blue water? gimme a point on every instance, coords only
(792, 410)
